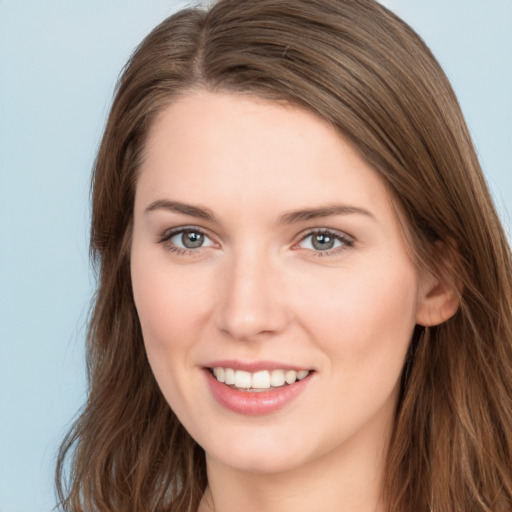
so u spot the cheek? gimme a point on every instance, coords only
(168, 305)
(169, 298)
(363, 325)
(363, 319)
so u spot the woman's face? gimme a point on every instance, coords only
(267, 251)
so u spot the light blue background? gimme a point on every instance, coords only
(58, 64)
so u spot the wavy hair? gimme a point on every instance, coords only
(355, 64)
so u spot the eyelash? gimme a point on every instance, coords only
(345, 240)
(181, 251)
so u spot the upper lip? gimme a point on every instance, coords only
(254, 366)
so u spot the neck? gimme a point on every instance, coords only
(345, 479)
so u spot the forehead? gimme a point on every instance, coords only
(230, 143)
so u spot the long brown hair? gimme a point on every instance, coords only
(358, 66)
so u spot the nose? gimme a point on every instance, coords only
(252, 298)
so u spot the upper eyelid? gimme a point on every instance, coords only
(331, 231)
(165, 240)
(170, 232)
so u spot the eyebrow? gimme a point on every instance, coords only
(291, 217)
(186, 209)
(321, 212)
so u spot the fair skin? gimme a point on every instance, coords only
(261, 238)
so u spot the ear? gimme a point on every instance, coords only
(439, 295)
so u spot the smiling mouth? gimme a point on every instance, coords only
(254, 382)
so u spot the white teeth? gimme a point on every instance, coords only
(229, 376)
(242, 379)
(290, 376)
(220, 373)
(263, 379)
(277, 378)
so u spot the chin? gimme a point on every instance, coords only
(260, 451)
(258, 461)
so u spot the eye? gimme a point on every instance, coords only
(186, 239)
(325, 241)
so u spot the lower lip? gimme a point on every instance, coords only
(255, 403)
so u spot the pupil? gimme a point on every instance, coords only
(192, 239)
(323, 242)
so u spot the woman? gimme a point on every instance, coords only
(304, 290)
